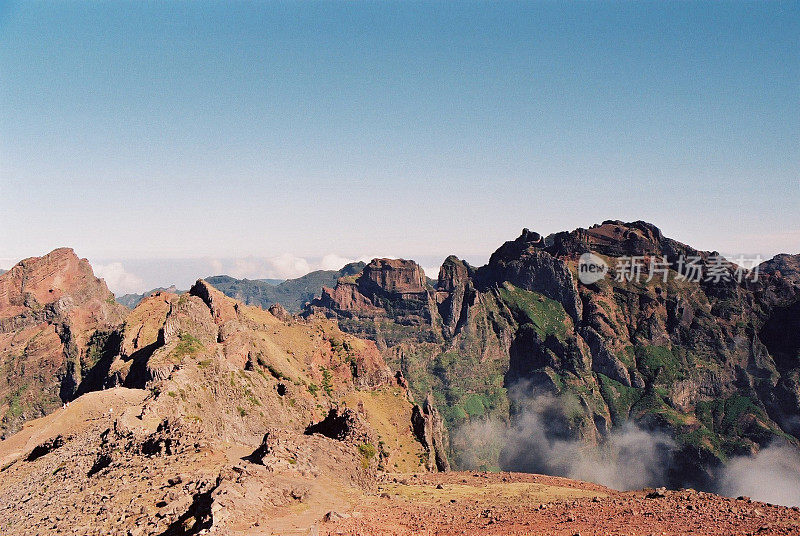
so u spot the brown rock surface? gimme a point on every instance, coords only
(388, 301)
(56, 322)
(712, 364)
(429, 429)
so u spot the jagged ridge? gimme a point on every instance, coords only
(713, 364)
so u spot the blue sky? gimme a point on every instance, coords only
(171, 137)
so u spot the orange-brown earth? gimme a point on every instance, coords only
(508, 504)
(201, 424)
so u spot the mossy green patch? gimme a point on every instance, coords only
(619, 398)
(659, 364)
(187, 345)
(475, 405)
(367, 451)
(547, 316)
(15, 405)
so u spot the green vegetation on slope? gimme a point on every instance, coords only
(547, 316)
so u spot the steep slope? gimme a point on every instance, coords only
(714, 365)
(56, 321)
(212, 414)
(292, 294)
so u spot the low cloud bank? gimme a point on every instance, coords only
(537, 440)
(772, 475)
(285, 266)
(142, 275)
(119, 280)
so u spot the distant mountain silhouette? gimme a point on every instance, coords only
(293, 294)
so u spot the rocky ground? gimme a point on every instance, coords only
(214, 417)
(515, 504)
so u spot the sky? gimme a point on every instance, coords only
(169, 141)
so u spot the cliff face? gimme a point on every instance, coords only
(389, 301)
(56, 321)
(715, 364)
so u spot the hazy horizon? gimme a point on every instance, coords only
(138, 275)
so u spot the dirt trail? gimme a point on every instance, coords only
(75, 418)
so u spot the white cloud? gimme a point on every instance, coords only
(431, 271)
(216, 266)
(333, 261)
(118, 279)
(772, 475)
(246, 269)
(368, 258)
(287, 266)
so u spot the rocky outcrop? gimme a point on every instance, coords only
(392, 293)
(454, 293)
(280, 313)
(56, 324)
(526, 265)
(223, 309)
(347, 426)
(429, 429)
(385, 287)
(783, 266)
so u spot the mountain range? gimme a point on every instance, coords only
(253, 405)
(711, 365)
(292, 294)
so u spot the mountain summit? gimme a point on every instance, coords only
(711, 362)
(56, 320)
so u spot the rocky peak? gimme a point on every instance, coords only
(454, 273)
(784, 266)
(394, 288)
(613, 237)
(56, 320)
(454, 292)
(393, 276)
(222, 307)
(430, 431)
(527, 265)
(39, 281)
(513, 249)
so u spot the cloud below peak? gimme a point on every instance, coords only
(119, 280)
